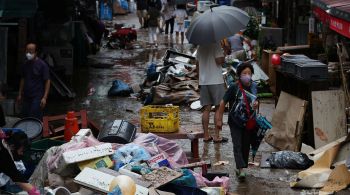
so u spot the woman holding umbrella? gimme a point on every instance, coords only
(241, 118)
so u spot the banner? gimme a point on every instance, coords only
(338, 25)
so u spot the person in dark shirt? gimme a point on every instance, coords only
(12, 147)
(35, 84)
(153, 21)
(2, 114)
(239, 115)
(142, 7)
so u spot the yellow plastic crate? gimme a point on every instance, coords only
(159, 119)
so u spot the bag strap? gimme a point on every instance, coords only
(245, 99)
(234, 102)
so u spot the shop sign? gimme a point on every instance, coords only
(340, 26)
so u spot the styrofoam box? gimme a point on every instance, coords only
(88, 153)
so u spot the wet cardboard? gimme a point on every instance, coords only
(287, 123)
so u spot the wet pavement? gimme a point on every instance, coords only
(92, 85)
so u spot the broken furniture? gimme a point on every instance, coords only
(193, 133)
(49, 130)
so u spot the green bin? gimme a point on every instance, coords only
(38, 149)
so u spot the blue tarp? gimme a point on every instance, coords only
(106, 11)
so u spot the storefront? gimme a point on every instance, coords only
(335, 14)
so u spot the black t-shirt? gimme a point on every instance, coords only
(2, 117)
(8, 167)
(141, 4)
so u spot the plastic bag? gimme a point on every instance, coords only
(116, 191)
(124, 4)
(105, 12)
(119, 88)
(290, 160)
(187, 179)
(129, 153)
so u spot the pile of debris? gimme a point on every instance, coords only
(148, 165)
(326, 166)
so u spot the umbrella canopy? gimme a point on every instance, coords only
(182, 1)
(216, 24)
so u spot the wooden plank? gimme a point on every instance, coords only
(269, 69)
(287, 122)
(329, 118)
(188, 132)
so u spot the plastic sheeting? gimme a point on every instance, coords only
(53, 161)
(290, 160)
(217, 181)
(155, 145)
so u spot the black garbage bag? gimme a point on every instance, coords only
(290, 160)
(119, 88)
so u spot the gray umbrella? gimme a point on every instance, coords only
(216, 24)
(182, 1)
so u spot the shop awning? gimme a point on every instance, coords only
(18, 8)
(337, 8)
(334, 12)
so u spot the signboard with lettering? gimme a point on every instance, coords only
(339, 25)
(88, 153)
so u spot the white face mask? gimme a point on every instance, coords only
(29, 56)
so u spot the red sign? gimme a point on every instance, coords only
(340, 26)
(321, 14)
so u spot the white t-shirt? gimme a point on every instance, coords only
(209, 72)
(180, 15)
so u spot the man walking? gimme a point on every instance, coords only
(212, 88)
(34, 85)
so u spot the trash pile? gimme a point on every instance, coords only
(148, 165)
(121, 37)
(326, 167)
(174, 80)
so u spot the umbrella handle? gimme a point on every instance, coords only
(212, 6)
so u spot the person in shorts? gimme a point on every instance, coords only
(212, 88)
(180, 16)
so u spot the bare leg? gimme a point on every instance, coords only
(217, 131)
(177, 37)
(182, 37)
(205, 121)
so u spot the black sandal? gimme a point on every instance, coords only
(222, 140)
